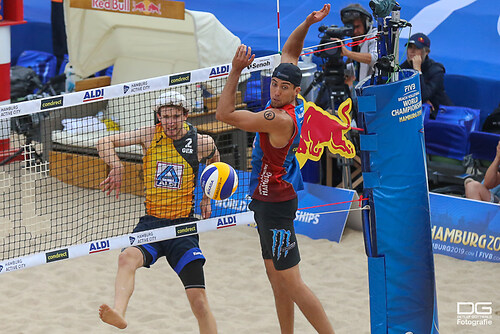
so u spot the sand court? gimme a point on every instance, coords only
(64, 297)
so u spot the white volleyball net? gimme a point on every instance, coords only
(51, 203)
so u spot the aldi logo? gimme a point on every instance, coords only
(219, 71)
(99, 246)
(226, 222)
(168, 176)
(94, 95)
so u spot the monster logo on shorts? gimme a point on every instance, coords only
(57, 255)
(281, 242)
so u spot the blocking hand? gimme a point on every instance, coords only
(243, 57)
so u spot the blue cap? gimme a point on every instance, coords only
(420, 40)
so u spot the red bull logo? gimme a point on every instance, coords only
(146, 7)
(321, 129)
(112, 5)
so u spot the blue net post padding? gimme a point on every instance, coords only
(398, 233)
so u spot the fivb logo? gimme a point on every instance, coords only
(1, 268)
(470, 308)
(131, 239)
(281, 242)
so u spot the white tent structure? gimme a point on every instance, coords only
(141, 46)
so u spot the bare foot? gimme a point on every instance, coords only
(112, 317)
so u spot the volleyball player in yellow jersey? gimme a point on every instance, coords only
(173, 152)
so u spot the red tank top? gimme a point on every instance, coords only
(271, 186)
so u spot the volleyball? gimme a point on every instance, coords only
(219, 180)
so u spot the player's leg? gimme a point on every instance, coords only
(284, 304)
(305, 299)
(281, 255)
(128, 262)
(192, 277)
(273, 222)
(186, 258)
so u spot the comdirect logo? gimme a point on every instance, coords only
(474, 314)
(51, 103)
(186, 229)
(57, 255)
(180, 79)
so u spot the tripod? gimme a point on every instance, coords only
(24, 126)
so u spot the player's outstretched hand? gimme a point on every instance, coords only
(243, 57)
(113, 181)
(319, 15)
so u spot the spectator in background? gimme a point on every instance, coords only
(489, 190)
(431, 72)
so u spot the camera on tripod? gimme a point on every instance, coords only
(334, 66)
(329, 32)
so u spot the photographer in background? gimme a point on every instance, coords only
(431, 72)
(365, 54)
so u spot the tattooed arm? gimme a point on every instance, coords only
(276, 122)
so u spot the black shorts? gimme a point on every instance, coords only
(178, 251)
(276, 231)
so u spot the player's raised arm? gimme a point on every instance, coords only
(295, 42)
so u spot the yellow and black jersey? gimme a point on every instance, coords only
(170, 173)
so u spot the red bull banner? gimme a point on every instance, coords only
(320, 129)
(157, 8)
